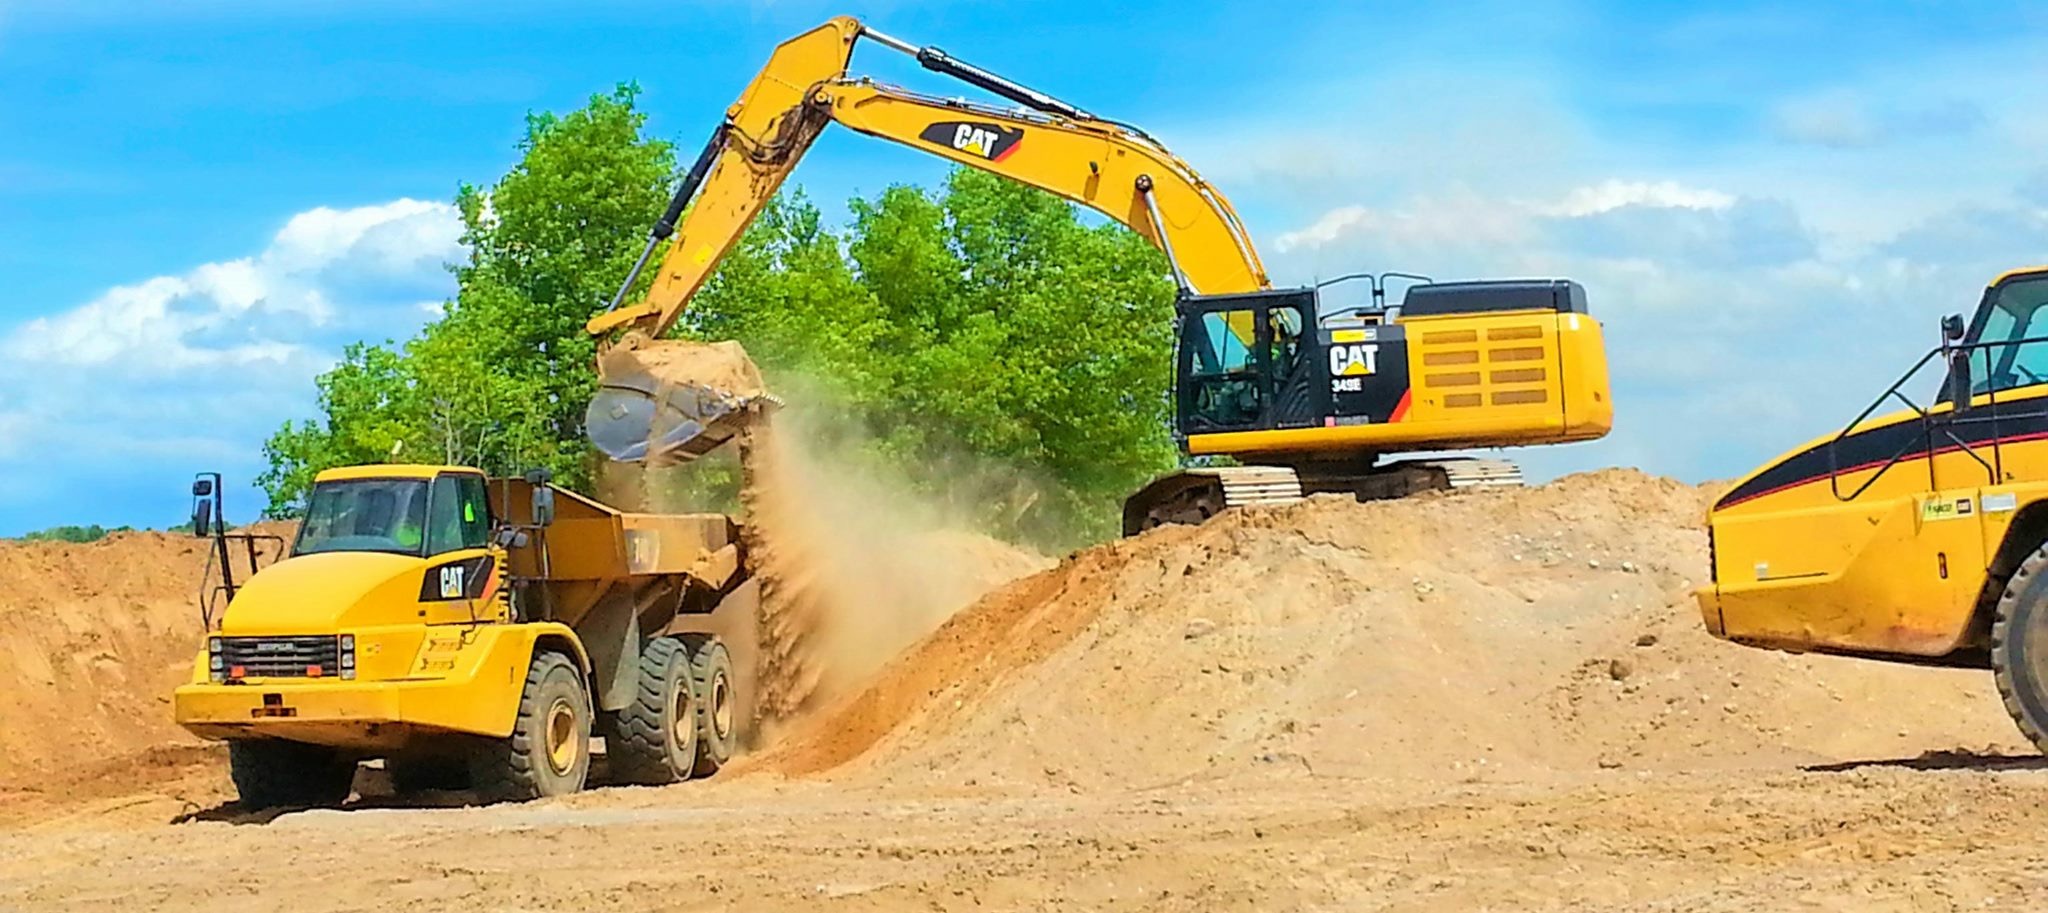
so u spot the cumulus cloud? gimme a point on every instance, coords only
(167, 325)
(153, 379)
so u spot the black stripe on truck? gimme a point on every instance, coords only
(1909, 439)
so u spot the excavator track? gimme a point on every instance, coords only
(1194, 495)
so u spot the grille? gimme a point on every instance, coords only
(281, 657)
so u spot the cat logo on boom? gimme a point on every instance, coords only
(993, 142)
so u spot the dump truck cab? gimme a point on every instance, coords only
(469, 632)
(1917, 532)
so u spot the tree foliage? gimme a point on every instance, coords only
(74, 534)
(982, 321)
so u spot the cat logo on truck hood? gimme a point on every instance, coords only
(992, 142)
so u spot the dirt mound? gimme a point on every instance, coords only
(92, 639)
(1472, 635)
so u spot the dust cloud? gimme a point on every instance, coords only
(857, 560)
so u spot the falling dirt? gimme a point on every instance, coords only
(1499, 700)
(853, 567)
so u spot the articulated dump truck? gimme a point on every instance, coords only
(471, 633)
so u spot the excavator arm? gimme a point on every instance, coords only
(1110, 167)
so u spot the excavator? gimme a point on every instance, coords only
(1300, 400)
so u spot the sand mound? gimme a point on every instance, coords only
(1485, 635)
(92, 640)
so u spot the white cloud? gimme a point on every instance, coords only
(248, 310)
(1614, 193)
(151, 380)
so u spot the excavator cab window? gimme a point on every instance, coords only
(1239, 356)
(1222, 382)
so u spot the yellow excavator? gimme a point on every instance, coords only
(1915, 535)
(1311, 400)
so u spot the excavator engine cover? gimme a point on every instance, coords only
(663, 402)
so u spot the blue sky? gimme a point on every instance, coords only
(1771, 204)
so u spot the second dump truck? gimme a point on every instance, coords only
(473, 633)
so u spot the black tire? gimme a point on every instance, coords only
(548, 752)
(718, 710)
(2019, 648)
(653, 740)
(276, 774)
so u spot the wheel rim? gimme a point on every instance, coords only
(682, 729)
(721, 705)
(560, 735)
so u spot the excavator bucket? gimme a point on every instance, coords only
(664, 402)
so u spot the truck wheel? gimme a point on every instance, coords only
(548, 752)
(276, 774)
(653, 740)
(2019, 648)
(717, 702)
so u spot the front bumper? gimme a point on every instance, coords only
(474, 690)
(364, 715)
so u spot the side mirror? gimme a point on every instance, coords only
(543, 505)
(202, 516)
(1953, 328)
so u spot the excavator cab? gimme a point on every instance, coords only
(1238, 365)
(1489, 362)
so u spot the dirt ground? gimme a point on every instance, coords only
(1495, 701)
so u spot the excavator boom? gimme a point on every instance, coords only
(1112, 168)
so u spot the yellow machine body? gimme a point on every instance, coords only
(437, 641)
(1894, 538)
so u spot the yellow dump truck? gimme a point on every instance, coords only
(471, 633)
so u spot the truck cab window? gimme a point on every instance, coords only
(2008, 359)
(457, 516)
(364, 515)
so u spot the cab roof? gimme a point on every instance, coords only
(390, 471)
(2017, 273)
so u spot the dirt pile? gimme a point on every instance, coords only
(92, 639)
(1477, 635)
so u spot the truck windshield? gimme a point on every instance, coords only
(365, 515)
(2009, 322)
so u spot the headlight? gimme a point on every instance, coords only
(348, 656)
(215, 665)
